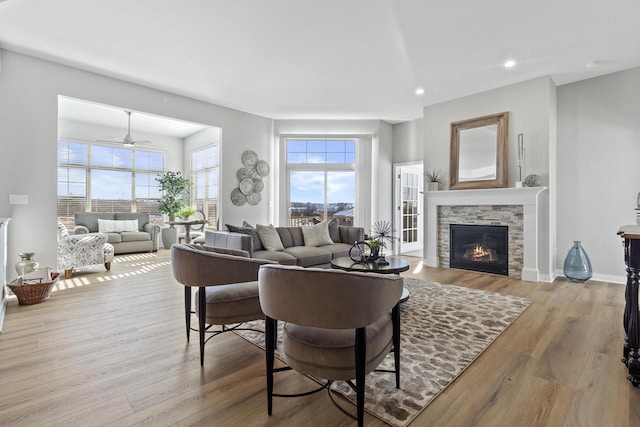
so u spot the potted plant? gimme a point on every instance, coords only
(186, 212)
(433, 180)
(175, 194)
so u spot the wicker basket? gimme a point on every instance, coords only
(32, 291)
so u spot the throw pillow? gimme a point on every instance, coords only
(334, 230)
(117, 226)
(269, 237)
(257, 245)
(316, 235)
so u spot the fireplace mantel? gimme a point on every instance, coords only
(533, 200)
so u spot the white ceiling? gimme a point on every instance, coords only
(329, 58)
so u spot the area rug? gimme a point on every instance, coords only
(444, 329)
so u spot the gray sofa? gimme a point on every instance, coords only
(295, 252)
(145, 239)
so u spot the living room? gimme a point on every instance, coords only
(579, 138)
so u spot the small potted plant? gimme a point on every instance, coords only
(376, 245)
(433, 180)
(186, 212)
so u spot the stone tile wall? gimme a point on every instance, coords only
(509, 215)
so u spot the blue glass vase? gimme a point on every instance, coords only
(577, 266)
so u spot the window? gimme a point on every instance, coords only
(321, 180)
(97, 178)
(205, 172)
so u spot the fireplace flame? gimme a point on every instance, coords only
(481, 254)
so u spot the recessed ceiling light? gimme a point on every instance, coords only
(592, 64)
(420, 91)
(509, 63)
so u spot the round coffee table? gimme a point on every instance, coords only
(395, 266)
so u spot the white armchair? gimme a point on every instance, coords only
(76, 251)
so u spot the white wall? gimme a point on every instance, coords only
(531, 107)
(408, 141)
(378, 161)
(597, 162)
(29, 90)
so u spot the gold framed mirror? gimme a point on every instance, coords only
(479, 152)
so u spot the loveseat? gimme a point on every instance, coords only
(128, 232)
(294, 250)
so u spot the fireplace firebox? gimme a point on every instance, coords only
(481, 248)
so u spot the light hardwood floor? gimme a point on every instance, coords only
(110, 349)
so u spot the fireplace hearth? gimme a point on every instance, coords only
(481, 248)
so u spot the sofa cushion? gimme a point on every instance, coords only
(117, 226)
(277, 256)
(114, 237)
(135, 236)
(316, 235)
(307, 255)
(269, 237)
(291, 236)
(337, 249)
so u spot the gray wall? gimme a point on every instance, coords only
(598, 173)
(29, 90)
(408, 141)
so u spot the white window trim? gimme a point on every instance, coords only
(362, 168)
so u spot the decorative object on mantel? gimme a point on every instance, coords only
(532, 180)
(250, 180)
(577, 266)
(520, 159)
(637, 209)
(26, 263)
(433, 180)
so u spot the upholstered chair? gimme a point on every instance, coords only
(338, 325)
(227, 288)
(75, 251)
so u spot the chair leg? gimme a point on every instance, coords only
(202, 313)
(187, 309)
(68, 273)
(361, 351)
(395, 318)
(107, 265)
(269, 342)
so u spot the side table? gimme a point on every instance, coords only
(631, 319)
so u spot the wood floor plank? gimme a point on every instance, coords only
(109, 348)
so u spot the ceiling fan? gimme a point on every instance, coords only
(128, 139)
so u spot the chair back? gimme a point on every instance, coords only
(199, 267)
(323, 298)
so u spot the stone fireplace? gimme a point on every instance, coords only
(522, 211)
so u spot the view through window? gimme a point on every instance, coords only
(205, 173)
(322, 180)
(97, 178)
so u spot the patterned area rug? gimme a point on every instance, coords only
(444, 329)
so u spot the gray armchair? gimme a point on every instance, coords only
(227, 288)
(339, 325)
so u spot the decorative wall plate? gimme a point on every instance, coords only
(244, 173)
(237, 198)
(262, 168)
(258, 185)
(249, 159)
(246, 186)
(254, 198)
